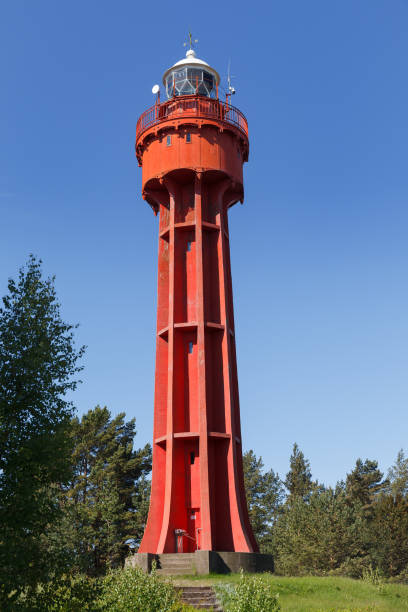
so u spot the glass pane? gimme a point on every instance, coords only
(194, 73)
(169, 86)
(188, 81)
(186, 89)
(208, 80)
(180, 74)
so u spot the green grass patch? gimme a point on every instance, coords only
(329, 594)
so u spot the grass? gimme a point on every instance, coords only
(313, 594)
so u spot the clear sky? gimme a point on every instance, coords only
(319, 249)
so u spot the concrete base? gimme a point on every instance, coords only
(204, 562)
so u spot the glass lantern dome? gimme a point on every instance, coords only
(191, 76)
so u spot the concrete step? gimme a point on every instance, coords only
(197, 589)
(174, 572)
(186, 562)
(201, 598)
(170, 556)
(204, 599)
(175, 564)
(199, 603)
(201, 606)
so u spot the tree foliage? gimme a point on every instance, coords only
(106, 502)
(299, 478)
(264, 493)
(364, 482)
(318, 535)
(359, 526)
(389, 527)
(38, 366)
(398, 476)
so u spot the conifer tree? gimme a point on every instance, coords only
(264, 494)
(365, 482)
(398, 476)
(106, 502)
(389, 539)
(317, 535)
(299, 478)
(38, 366)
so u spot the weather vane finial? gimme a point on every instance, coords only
(191, 43)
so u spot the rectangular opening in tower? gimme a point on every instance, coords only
(211, 276)
(185, 278)
(185, 400)
(214, 379)
(163, 284)
(185, 203)
(193, 495)
(220, 502)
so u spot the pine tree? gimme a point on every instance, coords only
(389, 535)
(317, 535)
(264, 493)
(398, 476)
(38, 365)
(107, 501)
(364, 483)
(299, 478)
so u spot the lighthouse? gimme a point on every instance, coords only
(192, 148)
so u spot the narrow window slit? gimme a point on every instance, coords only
(190, 347)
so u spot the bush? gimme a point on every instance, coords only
(354, 567)
(64, 594)
(369, 609)
(252, 594)
(402, 577)
(132, 589)
(119, 591)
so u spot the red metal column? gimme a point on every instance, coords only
(242, 532)
(165, 537)
(206, 534)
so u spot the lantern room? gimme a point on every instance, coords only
(191, 76)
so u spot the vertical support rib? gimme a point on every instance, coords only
(239, 514)
(168, 493)
(153, 527)
(206, 534)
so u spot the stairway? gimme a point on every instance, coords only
(177, 563)
(200, 597)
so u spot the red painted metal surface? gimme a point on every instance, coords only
(192, 151)
(191, 106)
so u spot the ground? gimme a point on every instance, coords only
(333, 594)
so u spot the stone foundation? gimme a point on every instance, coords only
(203, 562)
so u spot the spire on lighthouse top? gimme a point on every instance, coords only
(191, 75)
(190, 41)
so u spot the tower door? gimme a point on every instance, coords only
(194, 529)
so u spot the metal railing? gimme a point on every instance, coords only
(191, 106)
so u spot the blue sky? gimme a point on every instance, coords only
(319, 249)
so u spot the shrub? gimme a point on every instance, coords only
(63, 594)
(354, 567)
(369, 609)
(132, 589)
(402, 577)
(252, 594)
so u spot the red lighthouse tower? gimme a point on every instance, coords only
(192, 149)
